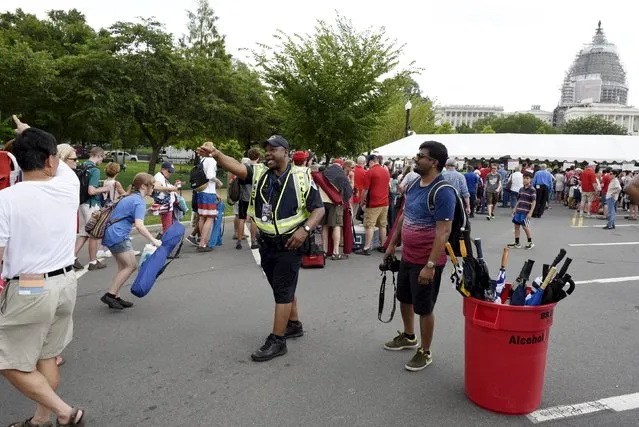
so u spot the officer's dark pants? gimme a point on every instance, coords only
(542, 198)
(281, 267)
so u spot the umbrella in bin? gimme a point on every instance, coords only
(470, 268)
(518, 290)
(535, 299)
(555, 291)
(483, 276)
(501, 278)
(457, 277)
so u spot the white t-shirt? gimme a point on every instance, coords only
(210, 169)
(165, 183)
(516, 181)
(38, 224)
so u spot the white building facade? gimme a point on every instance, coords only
(458, 115)
(627, 117)
(535, 110)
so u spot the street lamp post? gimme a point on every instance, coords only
(408, 106)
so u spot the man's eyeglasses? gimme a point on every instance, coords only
(420, 156)
(73, 159)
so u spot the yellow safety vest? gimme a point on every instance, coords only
(277, 226)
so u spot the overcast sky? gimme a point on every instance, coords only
(511, 53)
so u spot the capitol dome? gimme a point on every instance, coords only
(596, 75)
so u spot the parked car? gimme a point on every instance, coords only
(120, 157)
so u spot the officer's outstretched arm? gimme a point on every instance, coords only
(224, 161)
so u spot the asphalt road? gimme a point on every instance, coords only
(180, 356)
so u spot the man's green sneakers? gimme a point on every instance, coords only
(401, 342)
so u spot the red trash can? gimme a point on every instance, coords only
(505, 352)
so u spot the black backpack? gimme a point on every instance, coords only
(460, 228)
(234, 192)
(82, 171)
(198, 176)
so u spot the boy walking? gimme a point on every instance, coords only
(523, 211)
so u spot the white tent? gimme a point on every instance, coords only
(559, 148)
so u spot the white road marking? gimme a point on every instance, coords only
(609, 280)
(574, 245)
(256, 252)
(602, 224)
(625, 402)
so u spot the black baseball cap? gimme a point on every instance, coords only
(168, 166)
(372, 157)
(276, 141)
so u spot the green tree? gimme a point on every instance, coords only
(593, 125)
(203, 38)
(464, 128)
(514, 123)
(332, 87)
(445, 128)
(391, 126)
(487, 129)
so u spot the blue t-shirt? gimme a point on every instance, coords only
(471, 180)
(418, 231)
(130, 208)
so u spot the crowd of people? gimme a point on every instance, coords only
(286, 198)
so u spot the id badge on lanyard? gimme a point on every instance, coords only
(267, 212)
(30, 284)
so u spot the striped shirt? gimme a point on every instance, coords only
(527, 195)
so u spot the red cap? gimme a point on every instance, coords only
(300, 156)
(339, 162)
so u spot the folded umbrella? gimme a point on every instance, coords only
(500, 297)
(555, 291)
(157, 262)
(535, 299)
(470, 266)
(518, 290)
(483, 276)
(457, 277)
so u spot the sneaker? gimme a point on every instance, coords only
(608, 228)
(254, 245)
(238, 245)
(530, 245)
(112, 302)
(204, 249)
(124, 303)
(514, 245)
(420, 360)
(488, 217)
(492, 217)
(272, 348)
(193, 240)
(104, 254)
(294, 330)
(77, 266)
(365, 252)
(97, 266)
(401, 342)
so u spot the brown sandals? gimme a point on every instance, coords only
(28, 423)
(74, 421)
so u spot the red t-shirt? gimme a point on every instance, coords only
(483, 172)
(605, 182)
(377, 184)
(588, 179)
(359, 183)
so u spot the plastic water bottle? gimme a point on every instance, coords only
(149, 249)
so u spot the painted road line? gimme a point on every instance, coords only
(574, 245)
(256, 252)
(609, 280)
(601, 226)
(622, 403)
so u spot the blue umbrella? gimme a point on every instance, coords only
(157, 262)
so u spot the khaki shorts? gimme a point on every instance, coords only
(333, 215)
(36, 327)
(587, 197)
(492, 198)
(376, 217)
(85, 214)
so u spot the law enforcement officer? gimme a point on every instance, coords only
(286, 207)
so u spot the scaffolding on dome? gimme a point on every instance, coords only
(596, 75)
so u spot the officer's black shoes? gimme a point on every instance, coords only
(294, 329)
(273, 347)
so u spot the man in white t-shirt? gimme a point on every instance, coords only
(36, 306)
(207, 201)
(164, 194)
